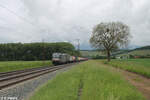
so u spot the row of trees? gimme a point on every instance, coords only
(34, 51)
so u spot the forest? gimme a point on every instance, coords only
(34, 51)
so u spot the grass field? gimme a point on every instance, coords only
(6, 66)
(140, 66)
(95, 82)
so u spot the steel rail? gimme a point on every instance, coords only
(25, 75)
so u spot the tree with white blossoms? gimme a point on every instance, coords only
(110, 36)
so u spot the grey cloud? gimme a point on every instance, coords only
(67, 20)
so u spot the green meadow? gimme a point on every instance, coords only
(139, 66)
(6, 66)
(90, 80)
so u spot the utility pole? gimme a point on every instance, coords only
(43, 51)
(78, 45)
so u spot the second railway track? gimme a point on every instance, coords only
(11, 78)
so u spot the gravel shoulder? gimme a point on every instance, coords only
(23, 90)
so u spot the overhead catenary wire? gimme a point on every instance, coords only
(20, 17)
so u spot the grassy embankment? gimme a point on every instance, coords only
(6, 66)
(140, 66)
(95, 82)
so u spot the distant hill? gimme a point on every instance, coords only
(91, 53)
(143, 48)
(142, 51)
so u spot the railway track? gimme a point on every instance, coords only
(11, 78)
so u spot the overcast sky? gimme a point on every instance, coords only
(68, 20)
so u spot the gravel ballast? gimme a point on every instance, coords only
(23, 90)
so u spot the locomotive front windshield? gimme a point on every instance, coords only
(56, 55)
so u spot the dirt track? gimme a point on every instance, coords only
(140, 82)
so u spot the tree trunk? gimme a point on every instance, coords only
(108, 55)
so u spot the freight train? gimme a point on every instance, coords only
(63, 58)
